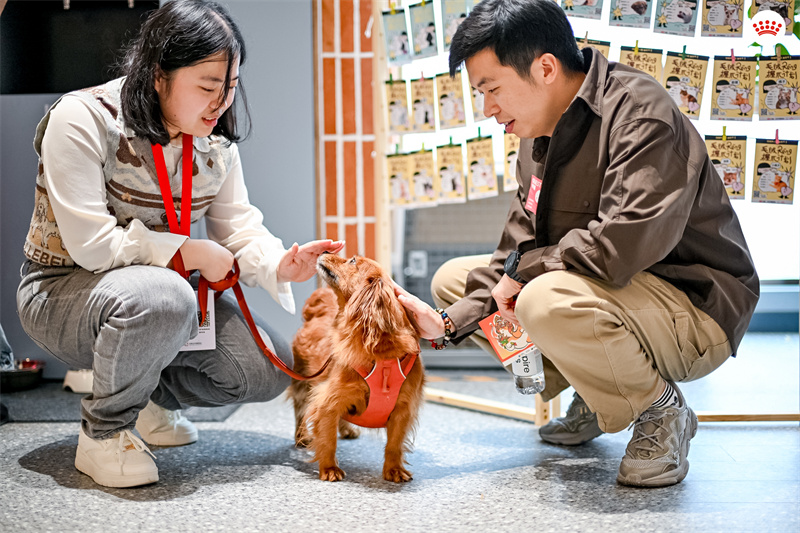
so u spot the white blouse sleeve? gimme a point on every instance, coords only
(236, 224)
(73, 154)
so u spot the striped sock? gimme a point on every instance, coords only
(668, 398)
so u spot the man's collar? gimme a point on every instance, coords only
(591, 90)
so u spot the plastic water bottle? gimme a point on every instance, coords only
(528, 371)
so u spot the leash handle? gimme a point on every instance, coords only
(232, 281)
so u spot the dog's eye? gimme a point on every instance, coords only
(353, 261)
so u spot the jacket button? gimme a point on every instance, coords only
(585, 203)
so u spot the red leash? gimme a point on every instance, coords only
(232, 279)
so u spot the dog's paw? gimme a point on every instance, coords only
(349, 431)
(396, 473)
(333, 473)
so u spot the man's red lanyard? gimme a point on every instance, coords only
(183, 228)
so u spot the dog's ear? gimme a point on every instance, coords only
(374, 311)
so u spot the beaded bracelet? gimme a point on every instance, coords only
(448, 330)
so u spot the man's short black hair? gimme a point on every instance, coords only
(518, 31)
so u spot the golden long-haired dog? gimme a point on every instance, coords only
(357, 321)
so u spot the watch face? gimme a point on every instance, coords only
(510, 265)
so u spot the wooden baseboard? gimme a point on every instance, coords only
(528, 414)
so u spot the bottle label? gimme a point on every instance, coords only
(525, 363)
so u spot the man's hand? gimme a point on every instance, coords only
(504, 294)
(299, 263)
(431, 325)
(211, 259)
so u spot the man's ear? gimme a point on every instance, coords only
(546, 68)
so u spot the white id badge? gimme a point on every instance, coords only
(206, 338)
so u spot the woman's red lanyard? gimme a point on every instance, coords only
(183, 228)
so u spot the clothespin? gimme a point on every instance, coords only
(391, 80)
(479, 133)
(636, 48)
(423, 144)
(391, 8)
(586, 39)
(396, 148)
(724, 135)
(777, 140)
(733, 57)
(778, 52)
(423, 3)
(683, 54)
(451, 140)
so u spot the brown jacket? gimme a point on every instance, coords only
(627, 186)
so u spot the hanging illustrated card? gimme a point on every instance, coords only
(453, 14)
(630, 13)
(779, 82)
(425, 178)
(676, 17)
(450, 160)
(722, 18)
(511, 143)
(396, 33)
(451, 101)
(423, 28)
(773, 177)
(645, 59)
(734, 88)
(481, 180)
(602, 46)
(588, 9)
(422, 99)
(684, 78)
(784, 8)
(398, 167)
(728, 155)
(397, 106)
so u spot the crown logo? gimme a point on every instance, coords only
(768, 27)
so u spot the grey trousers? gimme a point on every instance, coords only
(127, 325)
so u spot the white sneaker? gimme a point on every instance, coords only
(121, 461)
(79, 381)
(161, 427)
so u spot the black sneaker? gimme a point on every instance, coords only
(577, 427)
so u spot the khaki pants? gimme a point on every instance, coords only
(612, 344)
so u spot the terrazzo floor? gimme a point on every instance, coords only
(472, 472)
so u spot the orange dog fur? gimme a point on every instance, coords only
(357, 320)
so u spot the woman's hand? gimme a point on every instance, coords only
(211, 259)
(299, 263)
(504, 293)
(431, 325)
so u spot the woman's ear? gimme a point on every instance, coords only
(160, 81)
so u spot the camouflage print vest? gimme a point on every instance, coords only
(132, 190)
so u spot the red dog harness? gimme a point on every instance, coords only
(384, 380)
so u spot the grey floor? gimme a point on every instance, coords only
(472, 472)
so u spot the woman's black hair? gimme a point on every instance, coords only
(180, 33)
(518, 31)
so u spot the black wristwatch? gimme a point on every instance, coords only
(511, 264)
